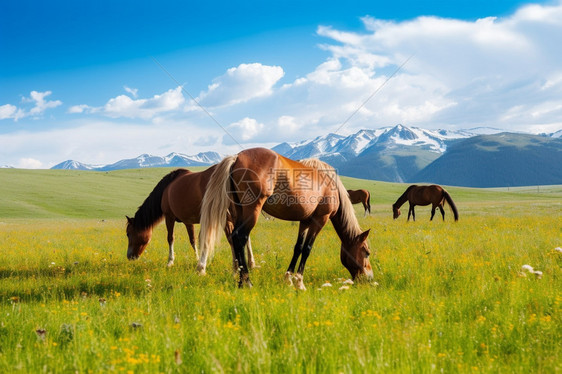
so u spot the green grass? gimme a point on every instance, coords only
(75, 194)
(450, 296)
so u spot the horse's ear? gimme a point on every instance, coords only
(129, 219)
(363, 235)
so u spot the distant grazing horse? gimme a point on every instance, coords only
(425, 195)
(361, 196)
(176, 198)
(308, 191)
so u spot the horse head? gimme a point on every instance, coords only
(355, 256)
(138, 239)
(395, 212)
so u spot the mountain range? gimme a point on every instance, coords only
(478, 157)
(148, 161)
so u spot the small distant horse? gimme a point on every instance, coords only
(176, 198)
(308, 191)
(361, 196)
(425, 195)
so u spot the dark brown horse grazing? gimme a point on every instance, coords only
(308, 191)
(361, 196)
(176, 198)
(425, 195)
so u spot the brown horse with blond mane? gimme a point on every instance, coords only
(176, 198)
(425, 195)
(361, 196)
(308, 191)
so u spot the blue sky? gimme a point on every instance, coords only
(84, 81)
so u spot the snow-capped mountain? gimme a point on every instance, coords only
(372, 140)
(148, 161)
(557, 134)
(73, 165)
(389, 153)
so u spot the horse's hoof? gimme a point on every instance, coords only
(170, 264)
(289, 279)
(247, 283)
(300, 283)
(201, 270)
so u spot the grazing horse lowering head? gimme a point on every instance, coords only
(138, 239)
(395, 212)
(354, 256)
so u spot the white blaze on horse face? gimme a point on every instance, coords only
(368, 270)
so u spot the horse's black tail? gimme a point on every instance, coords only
(451, 204)
(369, 202)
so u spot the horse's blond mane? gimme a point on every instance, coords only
(349, 221)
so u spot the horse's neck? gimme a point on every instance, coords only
(345, 229)
(401, 200)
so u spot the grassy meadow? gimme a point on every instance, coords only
(448, 297)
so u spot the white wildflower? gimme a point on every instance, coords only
(529, 268)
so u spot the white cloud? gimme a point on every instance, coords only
(29, 163)
(132, 91)
(124, 106)
(503, 72)
(83, 108)
(38, 98)
(8, 111)
(40, 105)
(101, 142)
(243, 131)
(241, 84)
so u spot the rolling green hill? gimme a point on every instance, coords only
(106, 195)
(74, 194)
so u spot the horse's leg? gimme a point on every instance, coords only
(411, 212)
(228, 231)
(432, 212)
(314, 229)
(245, 222)
(365, 207)
(250, 254)
(297, 250)
(191, 233)
(442, 211)
(170, 223)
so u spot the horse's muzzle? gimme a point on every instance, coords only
(367, 275)
(131, 255)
